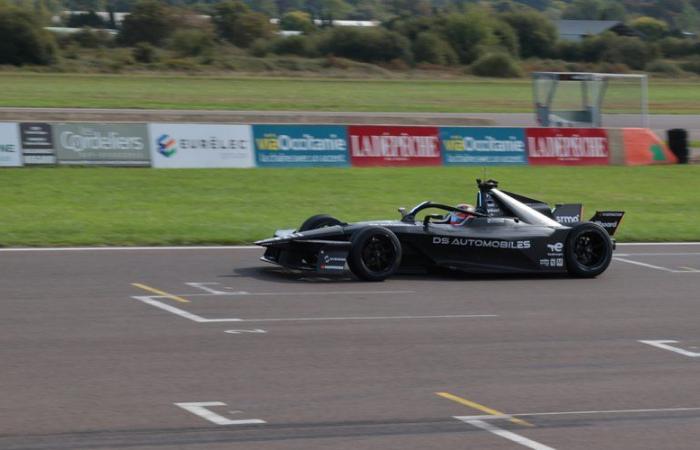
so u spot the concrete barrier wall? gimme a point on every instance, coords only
(198, 145)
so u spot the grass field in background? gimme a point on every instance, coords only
(472, 95)
(123, 206)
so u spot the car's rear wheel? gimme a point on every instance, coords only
(375, 254)
(319, 221)
(588, 250)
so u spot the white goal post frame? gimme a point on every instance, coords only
(556, 77)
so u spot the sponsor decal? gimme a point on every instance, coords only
(109, 144)
(200, 145)
(557, 248)
(483, 146)
(485, 243)
(37, 143)
(552, 262)
(394, 146)
(9, 145)
(166, 145)
(567, 146)
(569, 219)
(331, 260)
(300, 146)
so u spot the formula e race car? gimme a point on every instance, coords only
(504, 233)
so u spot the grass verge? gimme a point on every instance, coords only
(468, 95)
(119, 206)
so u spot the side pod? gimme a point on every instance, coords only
(610, 220)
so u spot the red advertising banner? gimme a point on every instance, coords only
(567, 146)
(394, 146)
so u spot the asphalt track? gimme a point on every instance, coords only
(209, 348)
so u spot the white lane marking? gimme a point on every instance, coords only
(91, 249)
(650, 244)
(302, 319)
(257, 330)
(178, 311)
(205, 287)
(584, 412)
(660, 254)
(199, 319)
(234, 247)
(290, 293)
(514, 437)
(200, 409)
(663, 344)
(651, 266)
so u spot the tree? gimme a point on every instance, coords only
(297, 21)
(650, 28)
(23, 39)
(466, 33)
(536, 34)
(239, 25)
(150, 21)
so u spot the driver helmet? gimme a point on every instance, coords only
(457, 217)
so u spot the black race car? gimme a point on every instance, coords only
(505, 233)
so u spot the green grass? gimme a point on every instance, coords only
(311, 94)
(109, 206)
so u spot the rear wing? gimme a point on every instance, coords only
(610, 220)
(568, 214)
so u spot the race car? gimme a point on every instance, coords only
(505, 233)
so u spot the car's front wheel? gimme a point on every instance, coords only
(375, 254)
(588, 250)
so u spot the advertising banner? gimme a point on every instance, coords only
(37, 143)
(118, 144)
(483, 146)
(567, 146)
(394, 146)
(200, 145)
(9, 145)
(300, 145)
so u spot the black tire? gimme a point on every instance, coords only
(319, 221)
(588, 250)
(375, 254)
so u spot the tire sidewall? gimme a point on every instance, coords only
(319, 221)
(359, 241)
(576, 268)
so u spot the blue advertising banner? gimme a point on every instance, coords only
(301, 145)
(483, 146)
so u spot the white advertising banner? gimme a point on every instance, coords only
(10, 153)
(176, 145)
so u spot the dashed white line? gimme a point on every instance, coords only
(663, 344)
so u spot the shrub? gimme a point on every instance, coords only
(144, 52)
(663, 67)
(92, 38)
(22, 38)
(192, 42)
(692, 66)
(293, 45)
(498, 65)
(365, 44)
(431, 48)
(259, 48)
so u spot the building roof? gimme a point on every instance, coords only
(575, 30)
